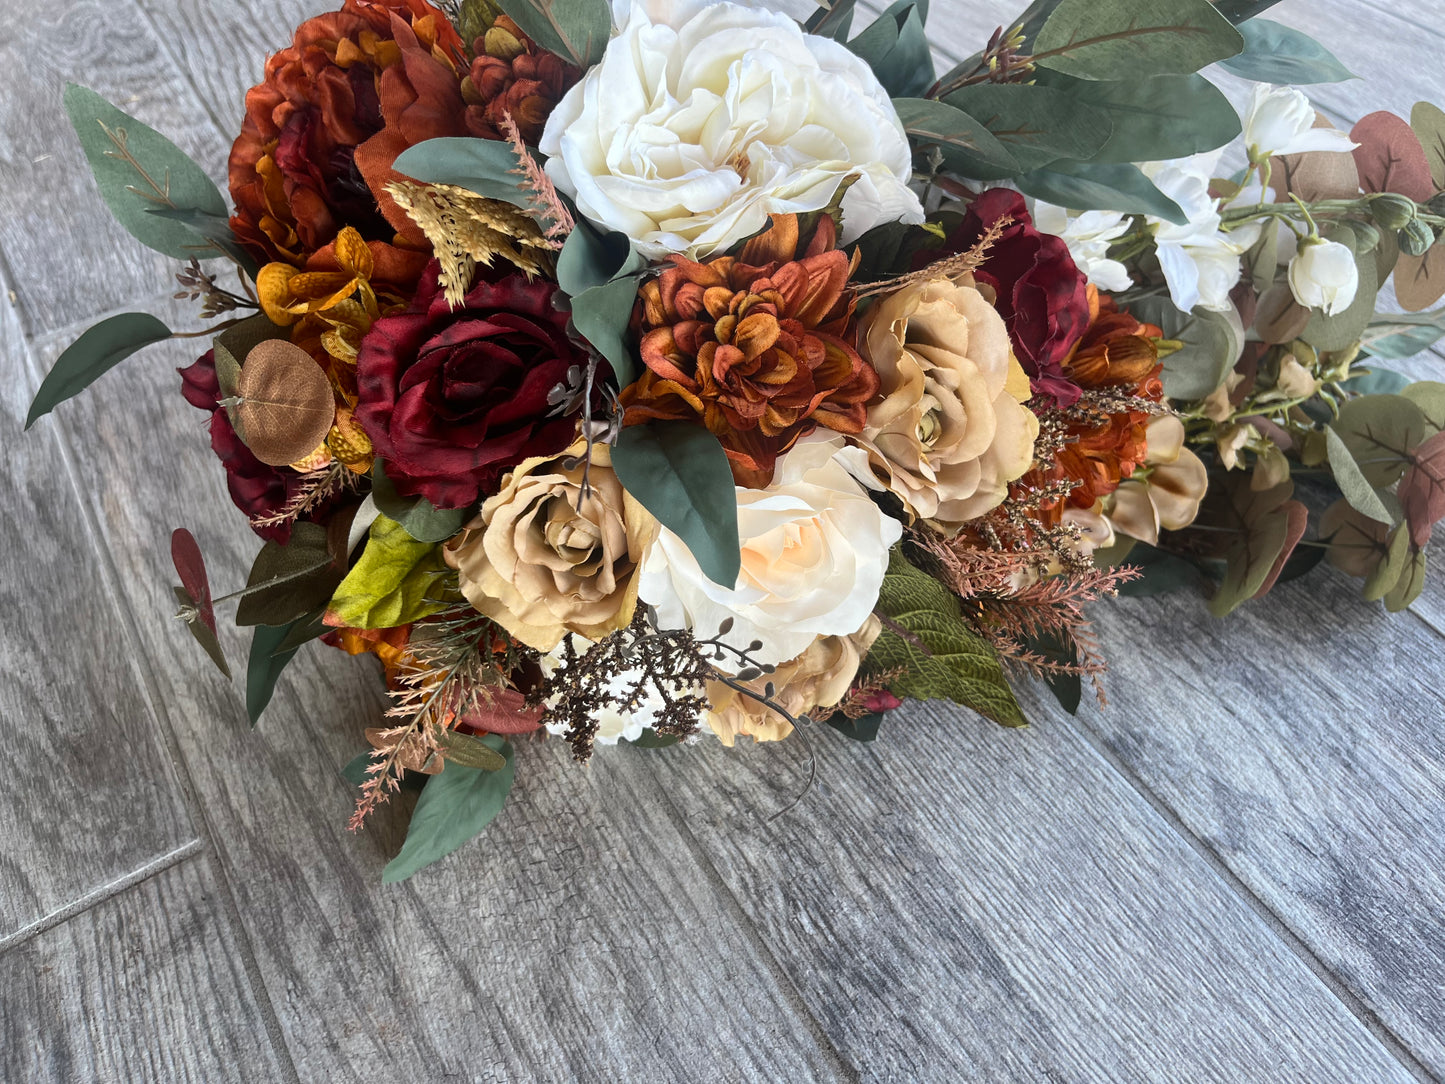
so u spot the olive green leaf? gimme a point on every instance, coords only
(1428, 123)
(1265, 526)
(1380, 431)
(1275, 53)
(1429, 396)
(601, 316)
(1037, 124)
(1100, 186)
(205, 635)
(421, 519)
(1352, 482)
(391, 583)
(1403, 335)
(289, 581)
(1208, 352)
(576, 30)
(98, 350)
(470, 752)
(456, 804)
(895, 46)
(968, 147)
(1099, 39)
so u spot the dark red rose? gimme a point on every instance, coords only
(1042, 295)
(451, 399)
(256, 489)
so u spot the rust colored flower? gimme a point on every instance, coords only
(512, 75)
(759, 347)
(355, 89)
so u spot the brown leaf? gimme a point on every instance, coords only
(1316, 174)
(191, 567)
(1297, 519)
(1279, 318)
(286, 406)
(1390, 158)
(1420, 280)
(1422, 490)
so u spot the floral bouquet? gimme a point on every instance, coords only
(682, 369)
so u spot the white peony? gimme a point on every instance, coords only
(1088, 235)
(814, 549)
(1323, 275)
(1200, 260)
(1280, 120)
(703, 118)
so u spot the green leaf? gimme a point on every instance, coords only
(1038, 125)
(1381, 431)
(475, 18)
(303, 630)
(137, 169)
(1403, 335)
(1274, 53)
(941, 656)
(1167, 116)
(832, 20)
(967, 146)
(204, 634)
(1100, 39)
(470, 752)
(1100, 187)
(1209, 349)
(601, 316)
(215, 228)
(263, 668)
(456, 804)
(1237, 11)
(1386, 575)
(591, 258)
(864, 728)
(1068, 688)
(1344, 329)
(1261, 522)
(680, 473)
(1376, 382)
(1429, 396)
(389, 585)
(97, 351)
(288, 582)
(355, 772)
(421, 519)
(576, 30)
(895, 46)
(1163, 572)
(1352, 482)
(1428, 123)
(483, 166)
(651, 739)
(1410, 583)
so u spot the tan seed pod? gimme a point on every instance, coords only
(313, 462)
(349, 442)
(286, 405)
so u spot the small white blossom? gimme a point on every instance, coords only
(1323, 275)
(1280, 120)
(1200, 259)
(1088, 235)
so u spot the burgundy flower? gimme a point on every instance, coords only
(256, 489)
(453, 398)
(1042, 295)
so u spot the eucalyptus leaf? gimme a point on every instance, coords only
(1162, 572)
(832, 20)
(391, 583)
(137, 169)
(864, 728)
(1429, 397)
(267, 660)
(483, 166)
(1352, 482)
(968, 147)
(1264, 525)
(421, 519)
(215, 228)
(1409, 585)
(1067, 687)
(98, 350)
(895, 46)
(1380, 432)
(1275, 53)
(1376, 382)
(1427, 121)
(1037, 124)
(289, 581)
(1403, 335)
(303, 630)
(576, 30)
(651, 739)
(1237, 11)
(1101, 187)
(680, 473)
(203, 633)
(1208, 351)
(591, 258)
(456, 804)
(1099, 39)
(601, 316)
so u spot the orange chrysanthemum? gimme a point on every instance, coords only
(759, 347)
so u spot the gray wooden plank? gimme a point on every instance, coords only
(978, 904)
(65, 262)
(577, 940)
(89, 795)
(143, 987)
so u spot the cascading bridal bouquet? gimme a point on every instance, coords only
(682, 369)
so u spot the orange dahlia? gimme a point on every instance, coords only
(758, 346)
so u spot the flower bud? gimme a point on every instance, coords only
(1392, 210)
(1416, 238)
(1323, 275)
(1280, 120)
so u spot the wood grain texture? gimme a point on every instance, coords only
(88, 795)
(143, 987)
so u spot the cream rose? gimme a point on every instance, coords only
(814, 550)
(541, 566)
(947, 430)
(818, 678)
(703, 118)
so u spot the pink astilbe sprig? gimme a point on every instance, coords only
(545, 201)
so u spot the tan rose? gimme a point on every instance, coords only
(541, 567)
(1166, 494)
(947, 430)
(819, 677)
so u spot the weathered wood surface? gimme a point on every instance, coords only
(1227, 881)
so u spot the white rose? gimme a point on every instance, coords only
(1323, 275)
(814, 549)
(1088, 235)
(1200, 260)
(1280, 120)
(703, 118)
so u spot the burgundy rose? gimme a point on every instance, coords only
(1042, 295)
(453, 398)
(256, 489)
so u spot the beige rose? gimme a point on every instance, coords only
(819, 677)
(540, 566)
(947, 430)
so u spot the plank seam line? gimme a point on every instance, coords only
(744, 923)
(110, 573)
(1287, 936)
(99, 895)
